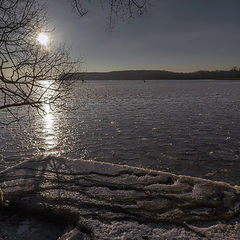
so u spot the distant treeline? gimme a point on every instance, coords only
(234, 73)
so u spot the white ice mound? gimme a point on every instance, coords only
(110, 201)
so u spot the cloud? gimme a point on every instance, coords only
(200, 33)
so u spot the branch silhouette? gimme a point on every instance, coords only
(25, 64)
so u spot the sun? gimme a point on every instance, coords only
(42, 39)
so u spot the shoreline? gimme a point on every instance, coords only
(110, 201)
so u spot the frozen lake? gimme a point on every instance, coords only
(184, 127)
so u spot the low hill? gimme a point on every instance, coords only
(151, 75)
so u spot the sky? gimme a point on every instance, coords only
(174, 35)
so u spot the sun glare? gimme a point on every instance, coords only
(42, 39)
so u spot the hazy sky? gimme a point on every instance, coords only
(178, 35)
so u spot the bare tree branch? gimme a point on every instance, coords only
(126, 9)
(29, 72)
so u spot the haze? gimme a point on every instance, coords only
(175, 35)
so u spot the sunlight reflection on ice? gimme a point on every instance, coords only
(50, 127)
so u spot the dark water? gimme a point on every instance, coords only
(185, 127)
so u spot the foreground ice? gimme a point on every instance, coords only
(106, 201)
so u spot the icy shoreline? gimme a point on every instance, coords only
(108, 201)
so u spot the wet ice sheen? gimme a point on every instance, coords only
(186, 127)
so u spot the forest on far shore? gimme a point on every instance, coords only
(231, 74)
